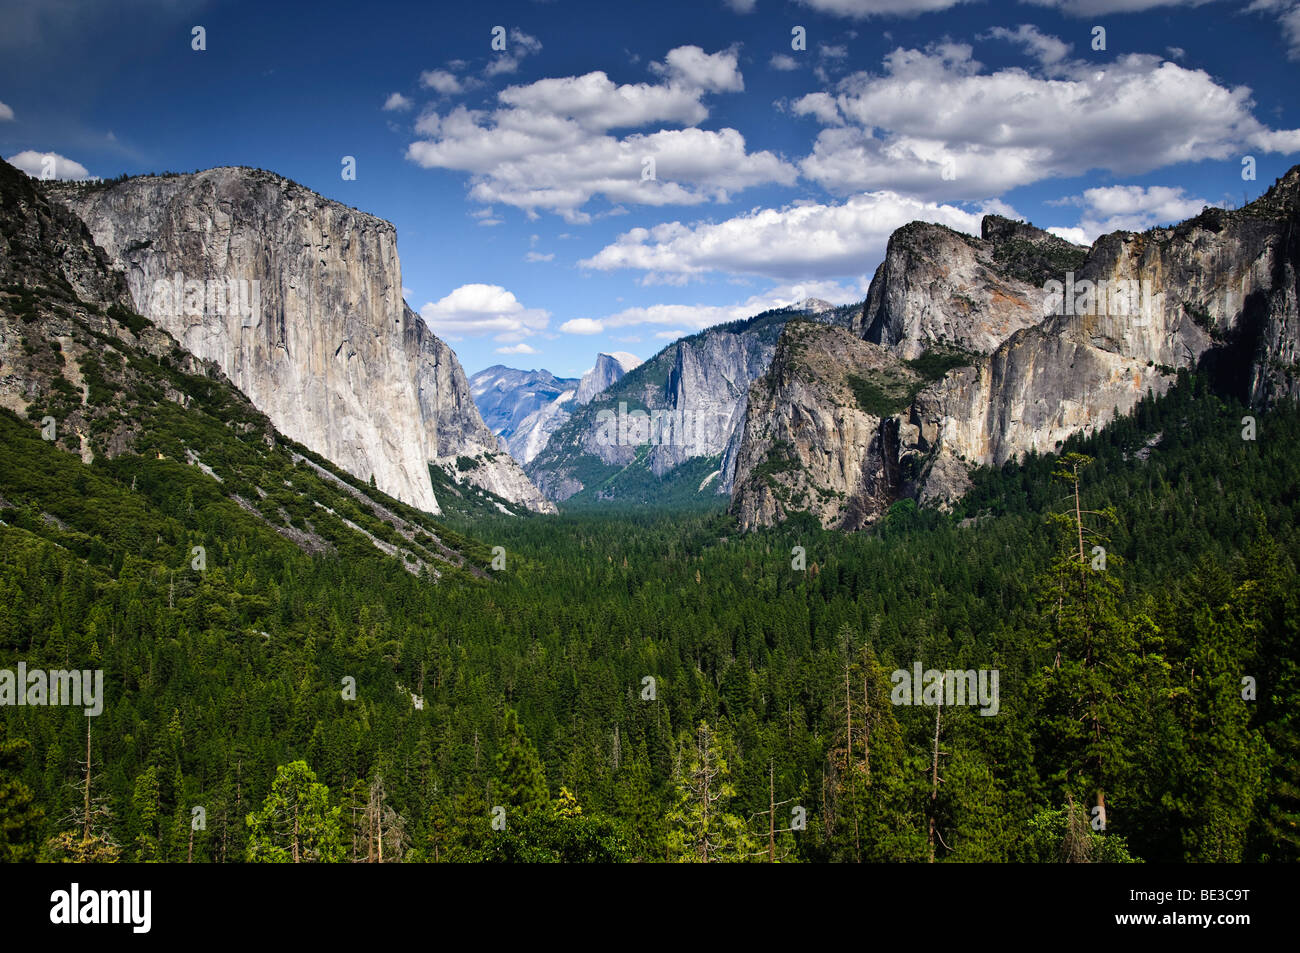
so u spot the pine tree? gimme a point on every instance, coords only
(635, 802)
(867, 816)
(1092, 684)
(520, 775)
(19, 818)
(1066, 836)
(471, 828)
(701, 829)
(89, 836)
(1281, 820)
(296, 823)
(385, 829)
(144, 801)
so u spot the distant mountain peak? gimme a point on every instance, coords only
(626, 361)
(609, 370)
(813, 306)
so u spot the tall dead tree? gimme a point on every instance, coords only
(772, 805)
(934, 772)
(89, 837)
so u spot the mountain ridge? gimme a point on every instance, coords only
(1218, 289)
(697, 386)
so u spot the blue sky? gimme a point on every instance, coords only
(530, 228)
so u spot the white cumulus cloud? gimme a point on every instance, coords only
(804, 240)
(691, 67)
(1087, 8)
(861, 9)
(596, 103)
(1288, 19)
(935, 123)
(1046, 49)
(478, 309)
(36, 165)
(548, 145)
(1129, 208)
(518, 46)
(582, 326)
(682, 319)
(396, 103)
(440, 81)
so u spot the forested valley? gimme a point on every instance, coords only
(650, 685)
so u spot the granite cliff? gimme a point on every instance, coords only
(987, 348)
(297, 299)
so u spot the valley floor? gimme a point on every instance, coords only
(643, 684)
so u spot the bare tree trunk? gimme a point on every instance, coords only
(848, 719)
(771, 813)
(85, 832)
(934, 771)
(707, 777)
(866, 725)
(239, 788)
(1078, 522)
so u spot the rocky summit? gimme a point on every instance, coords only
(608, 371)
(973, 351)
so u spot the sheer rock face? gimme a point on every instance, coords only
(323, 343)
(807, 444)
(1218, 277)
(709, 388)
(1218, 291)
